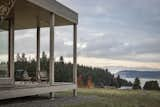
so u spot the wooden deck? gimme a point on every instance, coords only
(28, 14)
(21, 90)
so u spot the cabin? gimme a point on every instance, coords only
(31, 14)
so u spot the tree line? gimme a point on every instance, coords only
(149, 85)
(87, 76)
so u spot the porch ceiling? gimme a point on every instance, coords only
(26, 14)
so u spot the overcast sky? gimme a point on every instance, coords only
(110, 33)
(119, 30)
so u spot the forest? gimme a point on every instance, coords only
(87, 76)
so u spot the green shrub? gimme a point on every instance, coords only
(151, 85)
(136, 84)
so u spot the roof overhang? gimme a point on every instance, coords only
(57, 8)
(27, 11)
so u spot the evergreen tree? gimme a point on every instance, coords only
(136, 84)
(44, 62)
(24, 59)
(151, 85)
(61, 60)
(18, 57)
(64, 72)
(118, 81)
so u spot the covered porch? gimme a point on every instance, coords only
(36, 89)
(28, 14)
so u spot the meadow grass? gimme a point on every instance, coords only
(119, 98)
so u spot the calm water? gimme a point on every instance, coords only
(143, 80)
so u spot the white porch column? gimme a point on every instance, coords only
(11, 49)
(51, 66)
(75, 57)
(51, 60)
(38, 50)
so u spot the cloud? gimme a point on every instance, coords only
(107, 62)
(99, 34)
(3, 43)
(119, 30)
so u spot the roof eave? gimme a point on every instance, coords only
(58, 9)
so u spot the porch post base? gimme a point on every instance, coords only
(52, 95)
(74, 92)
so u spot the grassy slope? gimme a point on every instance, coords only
(120, 98)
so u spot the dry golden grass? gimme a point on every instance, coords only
(119, 98)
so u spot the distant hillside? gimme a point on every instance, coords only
(140, 74)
